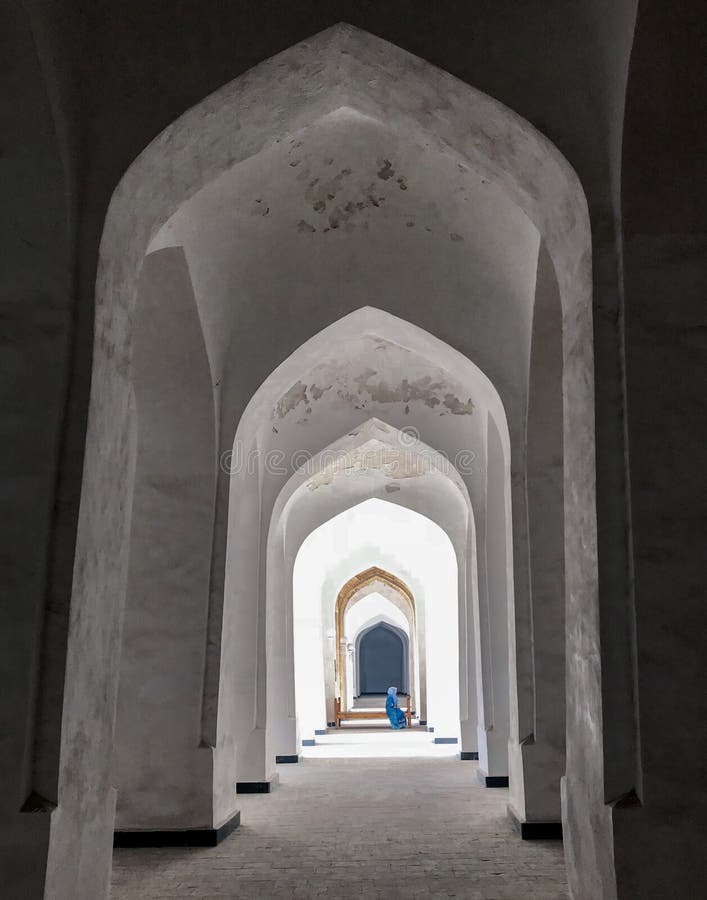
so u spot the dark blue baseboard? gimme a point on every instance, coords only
(536, 831)
(287, 759)
(320, 730)
(254, 787)
(469, 754)
(492, 781)
(443, 740)
(308, 742)
(196, 837)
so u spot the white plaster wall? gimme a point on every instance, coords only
(537, 745)
(162, 774)
(493, 621)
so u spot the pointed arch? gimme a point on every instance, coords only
(340, 67)
(436, 493)
(436, 585)
(356, 588)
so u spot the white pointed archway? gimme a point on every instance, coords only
(417, 551)
(346, 69)
(351, 471)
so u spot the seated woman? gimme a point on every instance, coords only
(395, 714)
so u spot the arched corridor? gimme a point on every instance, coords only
(336, 560)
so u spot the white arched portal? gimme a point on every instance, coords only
(344, 69)
(364, 464)
(417, 551)
(309, 633)
(271, 439)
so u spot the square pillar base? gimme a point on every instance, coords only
(197, 837)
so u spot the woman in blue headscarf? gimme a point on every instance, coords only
(395, 714)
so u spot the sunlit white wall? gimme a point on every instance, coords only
(361, 614)
(411, 547)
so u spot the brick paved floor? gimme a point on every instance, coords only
(358, 828)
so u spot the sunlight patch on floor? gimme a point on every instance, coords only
(377, 743)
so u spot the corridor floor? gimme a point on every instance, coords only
(358, 828)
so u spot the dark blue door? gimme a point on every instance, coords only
(381, 660)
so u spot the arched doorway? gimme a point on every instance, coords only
(543, 206)
(356, 590)
(381, 654)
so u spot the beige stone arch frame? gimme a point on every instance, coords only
(352, 587)
(416, 656)
(277, 96)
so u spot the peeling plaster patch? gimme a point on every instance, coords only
(323, 193)
(457, 407)
(303, 226)
(370, 457)
(386, 170)
(317, 392)
(323, 478)
(423, 388)
(258, 209)
(297, 394)
(319, 191)
(354, 384)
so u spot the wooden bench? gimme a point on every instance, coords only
(350, 714)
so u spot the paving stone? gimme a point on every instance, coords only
(377, 829)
